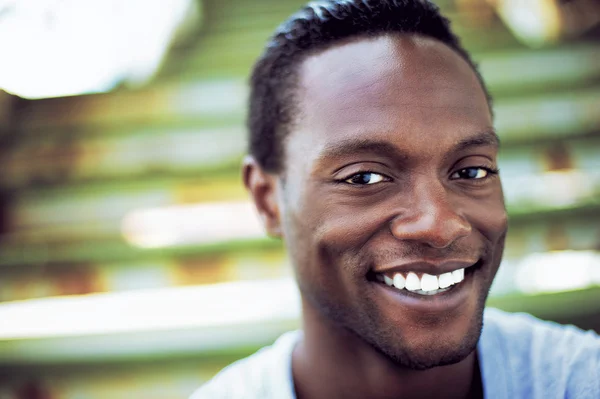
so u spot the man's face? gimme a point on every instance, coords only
(389, 170)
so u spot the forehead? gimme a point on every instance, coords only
(396, 88)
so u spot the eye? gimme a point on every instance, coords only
(365, 178)
(473, 173)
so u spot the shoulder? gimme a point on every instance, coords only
(265, 374)
(521, 329)
(543, 356)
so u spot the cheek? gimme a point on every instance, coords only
(346, 228)
(488, 216)
(491, 221)
(494, 224)
(326, 240)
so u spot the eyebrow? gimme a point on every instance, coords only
(486, 138)
(354, 146)
(384, 148)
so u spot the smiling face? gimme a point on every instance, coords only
(390, 173)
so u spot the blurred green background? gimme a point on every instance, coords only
(131, 261)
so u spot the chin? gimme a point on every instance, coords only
(411, 331)
(431, 343)
(437, 352)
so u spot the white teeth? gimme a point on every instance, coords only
(426, 285)
(429, 282)
(412, 282)
(388, 280)
(399, 281)
(458, 275)
(429, 293)
(446, 280)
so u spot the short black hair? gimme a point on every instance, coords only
(315, 27)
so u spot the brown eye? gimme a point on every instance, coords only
(471, 173)
(365, 178)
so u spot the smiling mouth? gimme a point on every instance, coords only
(423, 284)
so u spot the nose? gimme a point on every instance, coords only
(430, 218)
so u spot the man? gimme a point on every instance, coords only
(373, 155)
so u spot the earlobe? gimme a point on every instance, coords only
(262, 186)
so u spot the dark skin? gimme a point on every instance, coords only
(391, 163)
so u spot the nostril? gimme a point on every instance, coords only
(451, 232)
(431, 229)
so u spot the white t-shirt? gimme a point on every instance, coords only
(519, 356)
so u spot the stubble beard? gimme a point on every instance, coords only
(369, 326)
(393, 346)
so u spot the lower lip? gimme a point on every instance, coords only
(442, 302)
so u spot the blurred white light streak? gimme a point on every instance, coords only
(555, 189)
(192, 224)
(535, 22)
(227, 304)
(558, 271)
(233, 304)
(567, 187)
(57, 48)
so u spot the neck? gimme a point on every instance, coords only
(331, 361)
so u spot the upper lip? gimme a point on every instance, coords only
(434, 268)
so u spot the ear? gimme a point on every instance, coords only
(263, 189)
